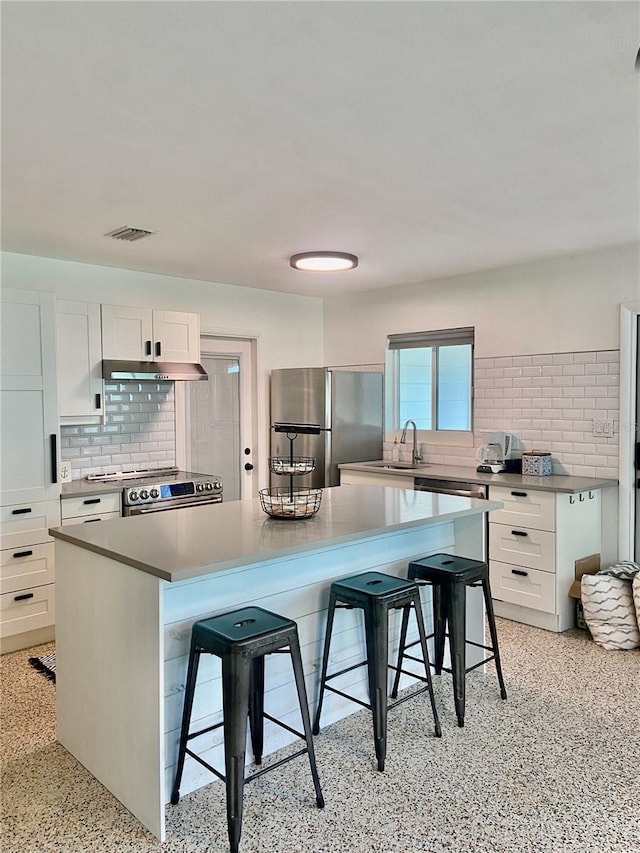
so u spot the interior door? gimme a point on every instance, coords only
(219, 421)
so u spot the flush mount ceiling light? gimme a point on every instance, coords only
(323, 261)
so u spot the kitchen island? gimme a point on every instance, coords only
(129, 590)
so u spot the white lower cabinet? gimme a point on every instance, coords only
(89, 508)
(534, 542)
(27, 574)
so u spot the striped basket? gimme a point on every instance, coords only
(609, 611)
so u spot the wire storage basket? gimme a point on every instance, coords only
(293, 466)
(287, 502)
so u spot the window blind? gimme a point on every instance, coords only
(438, 338)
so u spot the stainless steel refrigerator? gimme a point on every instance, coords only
(342, 407)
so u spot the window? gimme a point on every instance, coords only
(429, 379)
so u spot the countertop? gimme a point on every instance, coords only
(197, 541)
(84, 488)
(551, 483)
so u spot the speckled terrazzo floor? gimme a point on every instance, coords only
(554, 769)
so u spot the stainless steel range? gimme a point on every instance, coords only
(161, 489)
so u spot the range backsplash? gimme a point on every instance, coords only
(550, 402)
(139, 431)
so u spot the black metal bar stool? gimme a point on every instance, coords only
(241, 639)
(449, 577)
(375, 594)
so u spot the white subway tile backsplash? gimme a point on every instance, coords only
(139, 430)
(550, 402)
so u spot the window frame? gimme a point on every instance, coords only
(435, 340)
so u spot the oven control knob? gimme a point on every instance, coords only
(208, 487)
(217, 485)
(133, 496)
(200, 487)
(154, 493)
(144, 494)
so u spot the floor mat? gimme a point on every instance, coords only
(46, 665)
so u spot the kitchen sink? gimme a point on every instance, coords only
(396, 466)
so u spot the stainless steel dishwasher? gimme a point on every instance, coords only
(464, 490)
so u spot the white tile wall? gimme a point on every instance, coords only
(550, 402)
(138, 431)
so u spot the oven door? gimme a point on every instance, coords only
(167, 505)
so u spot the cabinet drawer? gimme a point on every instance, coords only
(87, 519)
(523, 507)
(91, 504)
(522, 546)
(27, 610)
(28, 524)
(526, 587)
(26, 567)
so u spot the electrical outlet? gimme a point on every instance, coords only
(605, 429)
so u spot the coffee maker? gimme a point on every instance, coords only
(500, 452)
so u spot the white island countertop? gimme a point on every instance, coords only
(191, 542)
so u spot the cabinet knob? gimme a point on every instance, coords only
(248, 466)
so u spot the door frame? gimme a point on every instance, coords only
(629, 367)
(245, 350)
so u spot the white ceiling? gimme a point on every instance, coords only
(429, 138)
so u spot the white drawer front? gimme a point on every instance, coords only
(523, 507)
(27, 610)
(91, 504)
(526, 587)
(87, 519)
(26, 567)
(28, 524)
(522, 546)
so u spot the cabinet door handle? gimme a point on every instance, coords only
(92, 501)
(147, 347)
(21, 511)
(519, 572)
(519, 494)
(54, 457)
(519, 533)
(158, 348)
(90, 520)
(98, 401)
(23, 553)
(23, 597)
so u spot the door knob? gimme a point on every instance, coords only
(248, 466)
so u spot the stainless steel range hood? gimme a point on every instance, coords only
(152, 370)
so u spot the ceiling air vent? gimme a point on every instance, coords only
(128, 233)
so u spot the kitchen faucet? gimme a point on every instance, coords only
(416, 456)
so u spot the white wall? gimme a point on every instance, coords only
(568, 304)
(288, 327)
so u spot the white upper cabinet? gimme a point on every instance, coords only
(28, 398)
(143, 334)
(79, 350)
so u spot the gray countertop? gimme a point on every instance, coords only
(83, 488)
(551, 483)
(196, 541)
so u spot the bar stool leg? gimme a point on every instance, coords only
(494, 634)
(440, 602)
(236, 679)
(296, 660)
(457, 610)
(377, 635)
(325, 658)
(192, 673)
(256, 708)
(403, 642)
(425, 657)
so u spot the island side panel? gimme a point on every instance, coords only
(471, 536)
(110, 678)
(298, 588)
